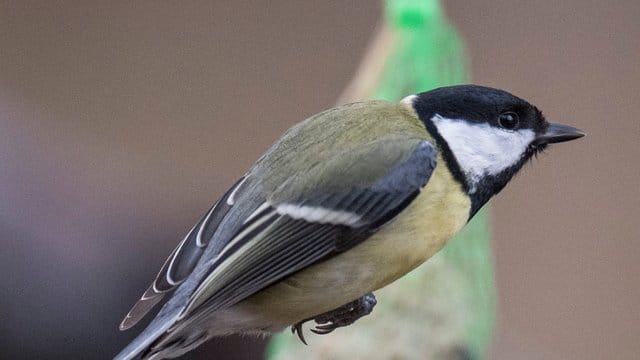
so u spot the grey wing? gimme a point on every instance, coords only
(281, 238)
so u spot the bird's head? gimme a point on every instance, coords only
(486, 135)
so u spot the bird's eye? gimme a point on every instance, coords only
(509, 120)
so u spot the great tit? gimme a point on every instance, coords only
(346, 202)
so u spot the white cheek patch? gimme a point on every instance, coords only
(481, 149)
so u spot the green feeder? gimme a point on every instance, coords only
(445, 309)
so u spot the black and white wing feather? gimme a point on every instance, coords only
(183, 259)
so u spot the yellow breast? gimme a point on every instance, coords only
(434, 217)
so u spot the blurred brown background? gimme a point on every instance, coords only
(121, 123)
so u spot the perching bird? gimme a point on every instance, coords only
(346, 202)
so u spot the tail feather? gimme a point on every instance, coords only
(142, 342)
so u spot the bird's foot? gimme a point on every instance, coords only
(345, 315)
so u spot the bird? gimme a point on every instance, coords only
(344, 203)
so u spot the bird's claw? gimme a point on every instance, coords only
(343, 316)
(297, 329)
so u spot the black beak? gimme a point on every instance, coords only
(556, 133)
